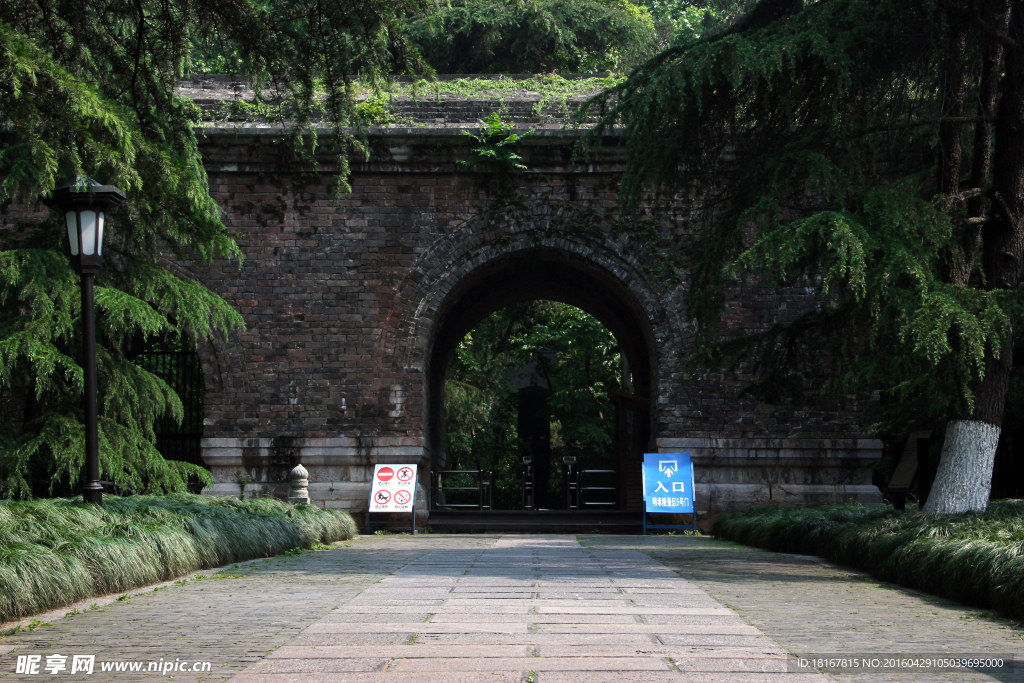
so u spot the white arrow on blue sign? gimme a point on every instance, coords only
(668, 482)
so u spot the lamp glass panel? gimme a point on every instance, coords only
(100, 220)
(88, 233)
(71, 218)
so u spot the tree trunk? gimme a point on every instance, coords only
(952, 104)
(965, 471)
(996, 14)
(951, 88)
(964, 477)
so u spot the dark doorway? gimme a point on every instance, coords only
(537, 406)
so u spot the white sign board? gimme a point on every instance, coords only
(394, 488)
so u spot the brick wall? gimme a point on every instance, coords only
(350, 304)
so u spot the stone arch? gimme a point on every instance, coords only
(470, 273)
(539, 272)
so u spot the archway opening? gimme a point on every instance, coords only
(539, 355)
(527, 394)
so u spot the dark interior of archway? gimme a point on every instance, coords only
(529, 276)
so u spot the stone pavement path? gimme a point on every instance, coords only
(521, 608)
(811, 607)
(532, 608)
(231, 619)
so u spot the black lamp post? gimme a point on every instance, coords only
(84, 203)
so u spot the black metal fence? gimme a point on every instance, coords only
(462, 490)
(474, 489)
(183, 372)
(589, 489)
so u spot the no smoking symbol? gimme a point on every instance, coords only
(405, 474)
(382, 497)
(402, 497)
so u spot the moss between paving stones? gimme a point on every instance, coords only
(56, 552)
(974, 558)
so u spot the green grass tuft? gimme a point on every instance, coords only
(56, 552)
(974, 558)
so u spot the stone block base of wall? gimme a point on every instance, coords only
(733, 474)
(340, 469)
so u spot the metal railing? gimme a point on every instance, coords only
(527, 478)
(484, 489)
(572, 496)
(580, 493)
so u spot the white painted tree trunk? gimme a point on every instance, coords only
(964, 477)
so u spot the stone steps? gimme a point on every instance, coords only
(541, 522)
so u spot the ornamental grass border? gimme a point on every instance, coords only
(56, 552)
(973, 558)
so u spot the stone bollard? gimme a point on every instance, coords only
(299, 478)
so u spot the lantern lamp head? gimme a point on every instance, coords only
(84, 204)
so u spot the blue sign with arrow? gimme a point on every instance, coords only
(668, 482)
(668, 487)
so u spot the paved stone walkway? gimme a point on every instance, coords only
(231, 621)
(813, 608)
(532, 608)
(521, 608)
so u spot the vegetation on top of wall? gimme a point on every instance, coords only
(572, 36)
(550, 86)
(974, 558)
(377, 104)
(58, 551)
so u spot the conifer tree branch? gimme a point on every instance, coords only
(90, 89)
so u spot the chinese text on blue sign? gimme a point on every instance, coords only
(668, 482)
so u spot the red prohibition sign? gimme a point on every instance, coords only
(404, 474)
(402, 497)
(382, 497)
(385, 473)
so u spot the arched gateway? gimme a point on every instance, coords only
(354, 306)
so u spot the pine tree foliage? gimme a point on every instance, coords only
(812, 138)
(568, 36)
(88, 88)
